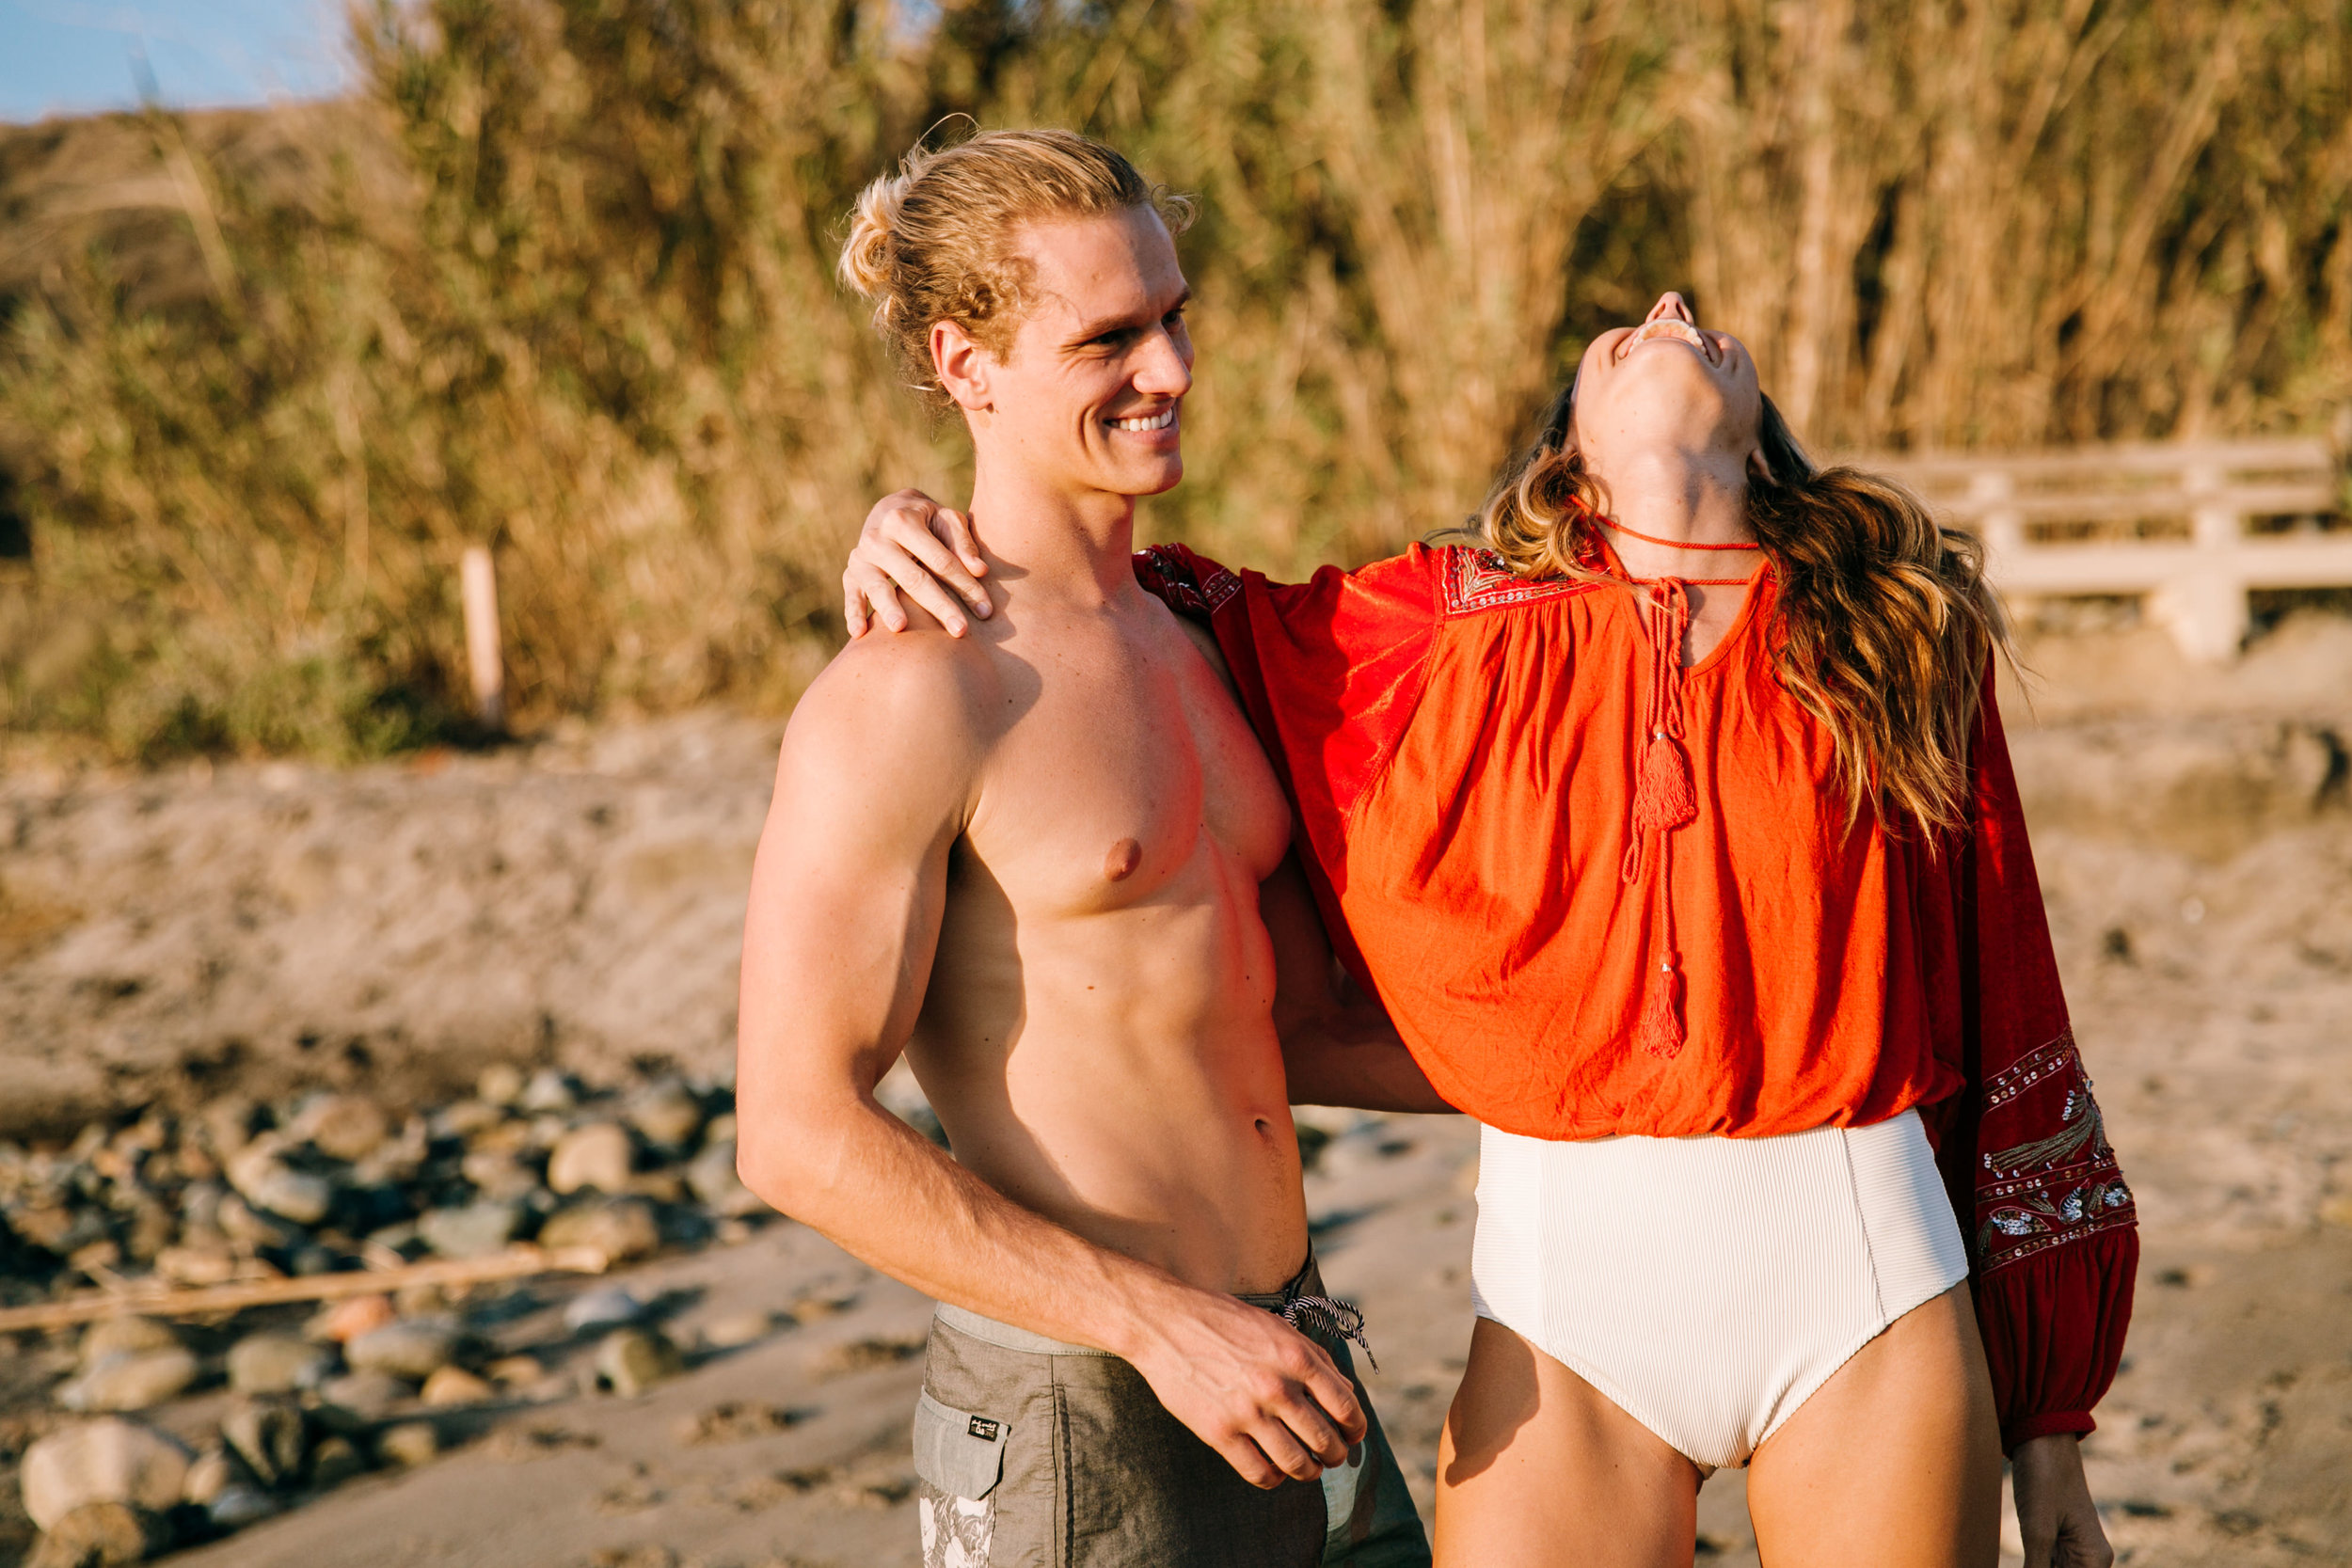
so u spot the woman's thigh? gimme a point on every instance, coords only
(1895, 1462)
(1537, 1468)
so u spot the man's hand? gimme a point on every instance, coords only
(1251, 1386)
(2054, 1513)
(911, 543)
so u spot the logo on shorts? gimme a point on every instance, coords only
(984, 1429)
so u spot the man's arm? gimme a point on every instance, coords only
(1337, 1045)
(879, 774)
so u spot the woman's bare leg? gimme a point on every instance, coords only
(1537, 1468)
(1895, 1462)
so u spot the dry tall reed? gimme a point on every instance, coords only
(558, 284)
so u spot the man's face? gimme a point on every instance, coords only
(1089, 395)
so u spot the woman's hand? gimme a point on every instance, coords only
(911, 543)
(2055, 1514)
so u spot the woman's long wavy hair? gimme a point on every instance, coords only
(1883, 620)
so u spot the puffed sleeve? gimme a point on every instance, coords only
(1328, 671)
(2053, 1236)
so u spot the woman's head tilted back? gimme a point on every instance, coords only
(1884, 620)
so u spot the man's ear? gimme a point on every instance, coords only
(962, 366)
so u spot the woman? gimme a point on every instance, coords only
(1675, 830)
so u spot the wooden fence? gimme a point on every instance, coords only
(2191, 528)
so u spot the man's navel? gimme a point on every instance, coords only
(1121, 862)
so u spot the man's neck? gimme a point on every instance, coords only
(1698, 498)
(1046, 542)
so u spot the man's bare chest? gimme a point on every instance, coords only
(1124, 768)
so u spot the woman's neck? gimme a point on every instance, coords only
(1678, 496)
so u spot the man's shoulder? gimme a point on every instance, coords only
(923, 684)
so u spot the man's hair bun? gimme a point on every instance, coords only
(867, 257)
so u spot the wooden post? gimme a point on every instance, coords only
(479, 579)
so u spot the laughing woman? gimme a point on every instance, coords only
(1673, 824)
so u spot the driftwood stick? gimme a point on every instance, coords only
(202, 1300)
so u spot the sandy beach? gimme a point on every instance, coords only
(251, 935)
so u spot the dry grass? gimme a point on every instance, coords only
(559, 284)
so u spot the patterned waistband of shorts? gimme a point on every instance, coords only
(1298, 1303)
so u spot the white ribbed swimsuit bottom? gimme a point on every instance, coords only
(1708, 1286)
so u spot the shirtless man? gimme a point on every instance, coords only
(1049, 863)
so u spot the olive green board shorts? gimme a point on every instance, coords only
(1034, 1453)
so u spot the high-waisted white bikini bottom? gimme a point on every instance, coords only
(1708, 1286)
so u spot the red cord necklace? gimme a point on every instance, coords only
(1681, 545)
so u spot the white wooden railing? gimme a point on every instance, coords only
(2172, 524)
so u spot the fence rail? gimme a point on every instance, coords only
(2172, 523)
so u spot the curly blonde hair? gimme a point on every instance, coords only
(935, 242)
(1884, 620)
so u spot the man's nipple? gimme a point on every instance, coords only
(1121, 862)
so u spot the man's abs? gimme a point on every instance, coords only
(1097, 1036)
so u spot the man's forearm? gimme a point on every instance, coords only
(886, 1195)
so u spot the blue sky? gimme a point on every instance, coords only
(73, 56)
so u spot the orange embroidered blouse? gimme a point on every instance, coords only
(1600, 894)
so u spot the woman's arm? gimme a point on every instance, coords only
(2052, 1231)
(913, 544)
(1337, 1045)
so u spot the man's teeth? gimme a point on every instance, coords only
(1160, 420)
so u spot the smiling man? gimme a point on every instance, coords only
(1050, 863)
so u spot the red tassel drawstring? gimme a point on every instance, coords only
(1661, 1030)
(1664, 798)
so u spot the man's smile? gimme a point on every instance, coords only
(1160, 420)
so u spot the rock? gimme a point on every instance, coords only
(335, 1461)
(407, 1445)
(278, 1364)
(662, 1186)
(711, 1175)
(549, 1090)
(240, 1505)
(632, 1360)
(99, 1535)
(343, 1127)
(358, 1399)
(597, 1155)
(499, 1173)
(271, 1439)
(214, 1471)
(269, 1183)
(254, 1228)
(456, 1386)
(722, 1129)
(739, 1329)
(476, 1231)
(500, 1083)
(208, 1262)
(606, 1306)
(133, 1382)
(413, 1349)
(666, 1113)
(621, 1229)
(228, 1123)
(464, 1119)
(57, 1228)
(127, 1336)
(516, 1371)
(347, 1319)
(107, 1460)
